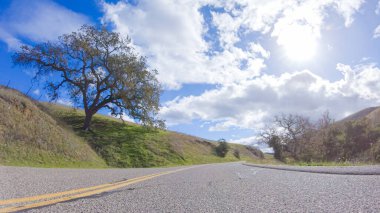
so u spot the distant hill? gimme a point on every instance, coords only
(44, 134)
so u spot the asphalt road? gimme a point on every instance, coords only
(230, 187)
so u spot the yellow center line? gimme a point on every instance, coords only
(59, 194)
(71, 194)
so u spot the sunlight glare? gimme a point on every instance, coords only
(299, 43)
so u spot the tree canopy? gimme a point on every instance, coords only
(96, 69)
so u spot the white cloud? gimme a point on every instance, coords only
(172, 34)
(37, 21)
(376, 32)
(248, 140)
(254, 141)
(65, 102)
(12, 42)
(265, 16)
(167, 32)
(347, 8)
(252, 103)
(257, 48)
(228, 27)
(36, 92)
(295, 24)
(377, 10)
(362, 80)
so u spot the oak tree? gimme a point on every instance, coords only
(97, 69)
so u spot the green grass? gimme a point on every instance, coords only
(130, 145)
(48, 135)
(32, 157)
(30, 137)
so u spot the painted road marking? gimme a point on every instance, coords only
(58, 194)
(42, 200)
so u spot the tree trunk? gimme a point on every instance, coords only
(87, 121)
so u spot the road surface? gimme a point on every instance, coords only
(228, 187)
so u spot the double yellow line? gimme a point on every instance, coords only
(18, 204)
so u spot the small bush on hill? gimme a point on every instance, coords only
(222, 149)
(237, 153)
(255, 151)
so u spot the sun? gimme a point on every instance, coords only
(299, 43)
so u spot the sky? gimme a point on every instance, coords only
(227, 67)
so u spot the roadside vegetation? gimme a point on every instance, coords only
(97, 69)
(31, 137)
(222, 149)
(125, 144)
(297, 140)
(49, 135)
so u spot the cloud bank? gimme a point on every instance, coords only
(249, 105)
(222, 43)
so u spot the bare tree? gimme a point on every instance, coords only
(288, 134)
(270, 136)
(294, 128)
(325, 140)
(325, 120)
(295, 136)
(98, 69)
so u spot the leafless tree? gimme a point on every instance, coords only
(270, 136)
(325, 120)
(294, 128)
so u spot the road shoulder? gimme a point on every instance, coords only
(342, 170)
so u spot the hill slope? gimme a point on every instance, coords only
(371, 113)
(355, 138)
(43, 134)
(130, 145)
(31, 137)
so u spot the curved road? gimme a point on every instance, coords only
(229, 187)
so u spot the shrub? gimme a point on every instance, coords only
(237, 153)
(222, 149)
(255, 151)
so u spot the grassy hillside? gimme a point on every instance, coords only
(372, 114)
(130, 145)
(31, 137)
(362, 129)
(48, 135)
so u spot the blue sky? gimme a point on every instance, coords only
(227, 66)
